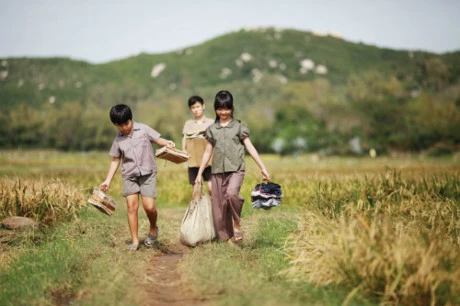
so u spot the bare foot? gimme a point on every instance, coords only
(238, 236)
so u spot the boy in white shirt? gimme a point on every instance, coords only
(194, 141)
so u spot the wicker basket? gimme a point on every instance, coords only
(102, 201)
(171, 154)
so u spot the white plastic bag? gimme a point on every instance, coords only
(198, 225)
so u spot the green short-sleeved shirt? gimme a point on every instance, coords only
(228, 155)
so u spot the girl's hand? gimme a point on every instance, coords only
(265, 175)
(198, 179)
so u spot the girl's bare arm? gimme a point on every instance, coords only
(255, 155)
(204, 161)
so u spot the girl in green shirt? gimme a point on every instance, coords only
(227, 140)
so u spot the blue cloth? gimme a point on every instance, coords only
(266, 195)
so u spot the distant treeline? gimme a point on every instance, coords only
(298, 93)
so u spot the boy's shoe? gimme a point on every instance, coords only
(150, 240)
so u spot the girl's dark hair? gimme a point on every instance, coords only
(193, 99)
(224, 99)
(120, 114)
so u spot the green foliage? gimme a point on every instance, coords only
(432, 122)
(68, 258)
(41, 273)
(366, 92)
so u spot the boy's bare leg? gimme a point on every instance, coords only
(133, 207)
(151, 210)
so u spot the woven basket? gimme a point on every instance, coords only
(102, 201)
(171, 154)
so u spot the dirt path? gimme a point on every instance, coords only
(165, 285)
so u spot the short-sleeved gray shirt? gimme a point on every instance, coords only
(136, 151)
(229, 150)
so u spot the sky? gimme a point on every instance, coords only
(99, 31)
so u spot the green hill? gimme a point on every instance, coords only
(263, 68)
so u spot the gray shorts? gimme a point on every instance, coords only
(146, 185)
(193, 173)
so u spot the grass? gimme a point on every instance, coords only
(46, 201)
(389, 236)
(251, 275)
(349, 232)
(84, 261)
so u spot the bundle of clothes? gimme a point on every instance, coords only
(266, 195)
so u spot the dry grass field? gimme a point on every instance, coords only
(350, 231)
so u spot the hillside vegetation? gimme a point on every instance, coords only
(299, 92)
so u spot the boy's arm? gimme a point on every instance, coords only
(255, 155)
(112, 170)
(184, 144)
(164, 142)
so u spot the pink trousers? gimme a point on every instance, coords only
(226, 202)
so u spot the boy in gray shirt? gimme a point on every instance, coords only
(132, 148)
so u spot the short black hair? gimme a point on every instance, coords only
(193, 99)
(120, 114)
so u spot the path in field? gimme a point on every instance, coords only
(165, 285)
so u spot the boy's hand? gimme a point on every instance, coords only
(170, 144)
(104, 186)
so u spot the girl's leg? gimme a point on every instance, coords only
(150, 208)
(220, 209)
(132, 201)
(235, 181)
(227, 203)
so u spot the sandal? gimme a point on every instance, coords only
(133, 247)
(238, 236)
(150, 240)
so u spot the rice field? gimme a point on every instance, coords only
(381, 231)
(387, 236)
